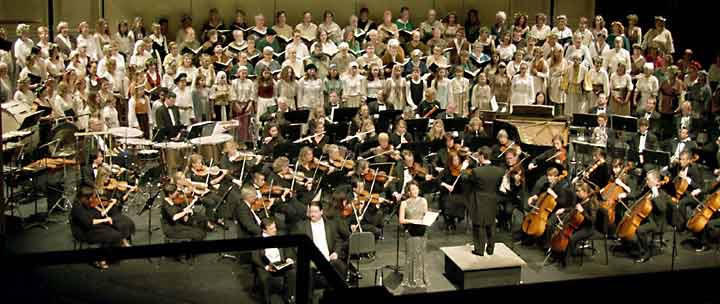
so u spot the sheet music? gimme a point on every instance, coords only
(430, 218)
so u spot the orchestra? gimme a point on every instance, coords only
(340, 142)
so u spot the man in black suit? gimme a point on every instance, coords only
(680, 144)
(650, 114)
(167, 118)
(641, 141)
(325, 236)
(89, 171)
(685, 169)
(483, 201)
(248, 219)
(265, 261)
(400, 134)
(601, 107)
(379, 105)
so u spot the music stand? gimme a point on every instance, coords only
(368, 144)
(291, 132)
(148, 207)
(417, 127)
(386, 119)
(455, 124)
(336, 131)
(384, 167)
(585, 150)
(419, 149)
(297, 117)
(287, 149)
(477, 142)
(196, 130)
(705, 157)
(344, 115)
(584, 120)
(658, 158)
(623, 123)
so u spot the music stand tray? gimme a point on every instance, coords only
(287, 149)
(584, 120)
(478, 142)
(31, 120)
(386, 119)
(585, 147)
(705, 157)
(291, 132)
(455, 124)
(417, 126)
(344, 115)
(297, 117)
(658, 158)
(623, 123)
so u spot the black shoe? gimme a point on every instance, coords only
(701, 249)
(642, 260)
(489, 251)
(480, 253)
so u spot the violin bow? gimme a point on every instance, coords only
(372, 186)
(292, 184)
(267, 215)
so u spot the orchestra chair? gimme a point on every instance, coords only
(597, 236)
(79, 242)
(361, 243)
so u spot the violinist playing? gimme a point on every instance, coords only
(443, 155)
(383, 153)
(111, 190)
(90, 223)
(285, 177)
(512, 186)
(280, 199)
(373, 219)
(236, 162)
(557, 155)
(339, 158)
(179, 221)
(406, 171)
(504, 143)
(400, 135)
(452, 191)
(587, 205)
(687, 172)
(474, 131)
(206, 181)
(597, 174)
(640, 244)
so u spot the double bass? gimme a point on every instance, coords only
(535, 222)
(636, 214)
(703, 213)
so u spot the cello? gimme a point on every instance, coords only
(636, 213)
(535, 222)
(703, 213)
(568, 225)
(611, 194)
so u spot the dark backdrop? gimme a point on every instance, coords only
(693, 23)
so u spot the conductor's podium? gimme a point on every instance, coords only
(468, 271)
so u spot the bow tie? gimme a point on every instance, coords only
(643, 134)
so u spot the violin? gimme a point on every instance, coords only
(418, 170)
(347, 209)
(535, 222)
(343, 164)
(560, 156)
(504, 147)
(275, 190)
(636, 213)
(372, 198)
(457, 170)
(261, 204)
(319, 165)
(113, 184)
(381, 176)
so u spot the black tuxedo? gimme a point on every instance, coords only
(247, 224)
(166, 128)
(482, 204)
(395, 139)
(87, 175)
(689, 145)
(334, 242)
(651, 143)
(594, 110)
(268, 280)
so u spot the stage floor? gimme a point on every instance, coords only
(208, 280)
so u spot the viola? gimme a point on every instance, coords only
(372, 198)
(343, 164)
(261, 204)
(347, 209)
(113, 184)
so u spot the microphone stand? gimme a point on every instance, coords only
(148, 207)
(223, 255)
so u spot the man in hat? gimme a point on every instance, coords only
(659, 37)
(168, 119)
(343, 58)
(268, 40)
(354, 87)
(183, 100)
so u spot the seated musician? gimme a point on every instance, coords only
(443, 154)
(318, 139)
(276, 113)
(341, 161)
(602, 134)
(684, 118)
(556, 155)
(282, 175)
(362, 114)
(512, 186)
(650, 113)
(400, 134)
(681, 143)
(551, 184)
(205, 183)
(685, 169)
(474, 131)
(325, 236)
(365, 133)
(429, 107)
(372, 217)
(601, 107)
(179, 221)
(111, 190)
(588, 206)
(90, 223)
(272, 139)
(627, 182)
(598, 173)
(94, 143)
(384, 152)
(281, 199)
(435, 136)
(205, 197)
(378, 105)
(167, 119)
(234, 161)
(317, 113)
(265, 261)
(640, 244)
(642, 140)
(405, 171)
(332, 104)
(504, 142)
(89, 172)
(452, 190)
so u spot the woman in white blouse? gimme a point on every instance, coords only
(310, 88)
(90, 43)
(375, 83)
(621, 86)
(328, 47)
(522, 90)
(540, 30)
(330, 27)
(123, 39)
(506, 49)
(647, 86)
(23, 45)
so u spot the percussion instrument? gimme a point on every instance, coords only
(174, 154)
(13, 115)
(125, 132)
(211, 147)
(64, 134)
(135, 141)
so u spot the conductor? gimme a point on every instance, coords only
(482, 201)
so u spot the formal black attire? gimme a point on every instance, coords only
(271, 283)
(193, 228)
(167, 127)
(483, 183)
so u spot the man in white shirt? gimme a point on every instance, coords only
(612, 57)
(267, 261)
(324, 235)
